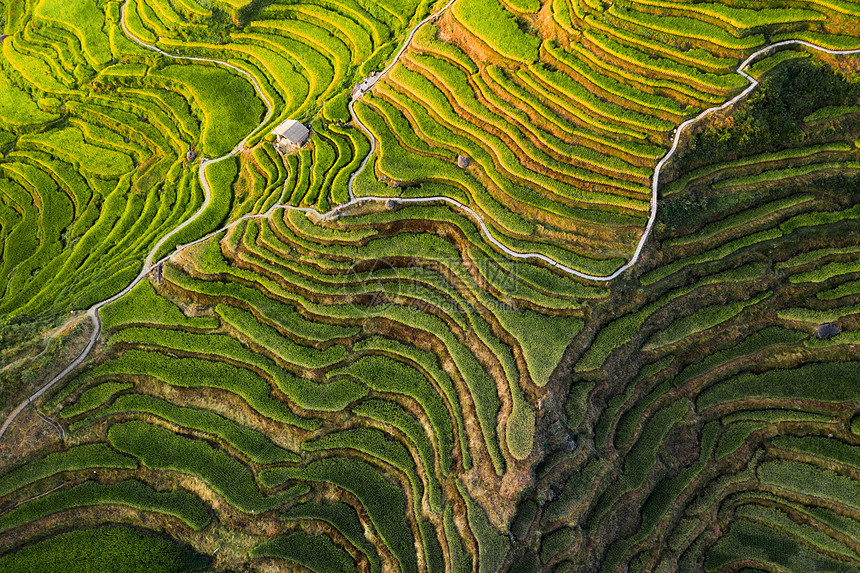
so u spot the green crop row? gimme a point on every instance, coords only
(621, 330)
(820, 218)
(400, 163)
(144, 306)
(329, 193)
(493, 546)
(630, 151)
(845, 289)
(98, 161)
(197, 373)
(105, 548)
(443, 422)
(698, 58)
(360, 32)
(737, 184)
(776, 415)
(384, 502)
(701, 320)
(94, 397)
(763, 158)
(714, 254)
(662, 500)
(781, 521)
(377, 445)
(275, 310)
(180, 504)
(282, 347)
(579, 155)
(787, 384)
(384, 374)
(831, 112)
(641, 458)
(827, 448)
(74, 459)
(423, 90)
(426, 41)
(817, 316)
(734, 436)
(742, 18)
(773, 549)
(612, 86)
(627, 422)
(456, 82)
(826, 272)
(229, 103)
(392, 414)
(491, 23)
(86, 20)
(750, 346)
(503, 218)
(760, 214)
(305, 393)
(612, 112)
(480, 385)
(250, 442)
(815, 255)
(399, 128)
(160, 449)
(686, 28)
(807, 479)
(315, 552)
(343, 518)
(431, 128)
(590, 119)
(665, 68)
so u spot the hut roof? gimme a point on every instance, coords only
(293, 131)
(827, 330)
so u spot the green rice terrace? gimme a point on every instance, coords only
(550, 285)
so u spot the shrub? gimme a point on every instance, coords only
(335, 110)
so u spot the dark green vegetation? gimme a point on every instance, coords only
(385, 391)
(108, 549)
(715, 431)
(773, 116)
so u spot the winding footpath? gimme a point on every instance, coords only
(148, 264)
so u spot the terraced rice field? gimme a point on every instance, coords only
(384, 389)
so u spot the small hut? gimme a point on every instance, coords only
(3, 37)
(463, 161)
(827, 330)
(190, 156)
(291, 135)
